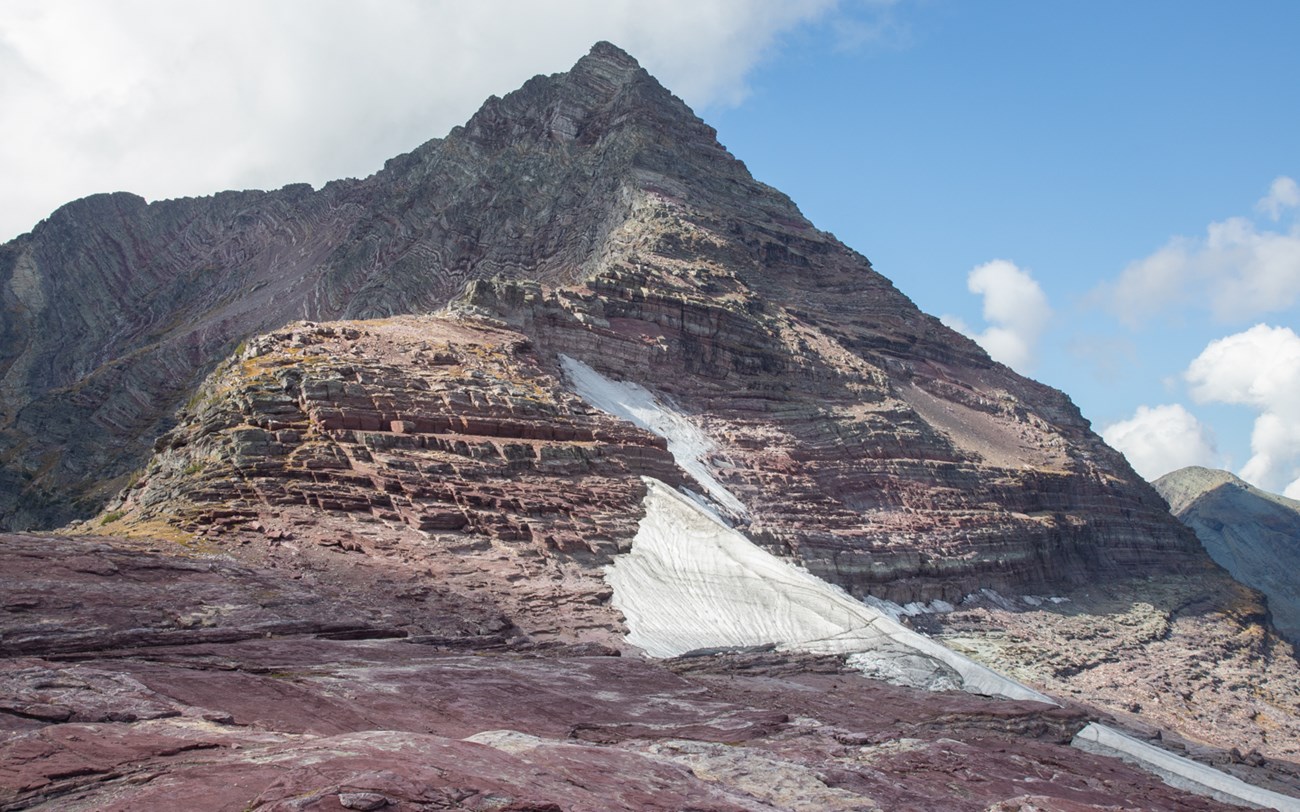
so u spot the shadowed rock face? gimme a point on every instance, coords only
(1253, 534)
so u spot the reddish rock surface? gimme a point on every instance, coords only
(238, 714)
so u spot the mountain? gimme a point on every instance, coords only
(562, 464)
(830, 392)
(113, 309)
(1253, 534)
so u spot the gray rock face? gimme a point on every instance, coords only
(1253, 534)
(113, 309)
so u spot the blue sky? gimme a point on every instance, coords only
(1102, 163)
(1072, 140)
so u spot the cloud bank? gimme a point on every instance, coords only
(1015, 309)
(1239, 269)
(1258, 368)
(169, 99)
(1160, 439)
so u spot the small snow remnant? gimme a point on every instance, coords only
(687, 442)
(691, 583)
(913, 609)
(1178, 771)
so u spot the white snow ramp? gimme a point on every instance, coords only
(687, 442)
(690, 582)
(1181, 772)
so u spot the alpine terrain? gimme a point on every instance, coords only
(561, 464)
(1253, 534)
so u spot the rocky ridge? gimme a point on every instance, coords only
(1253, 534)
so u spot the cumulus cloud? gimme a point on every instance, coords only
(1237, 270)
(169, 99)
(1258, 368)
(1283, 194)
(1160, 439)
(1015, 309)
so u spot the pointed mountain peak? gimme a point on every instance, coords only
(606, 69)
(605, 89)
(610, 57)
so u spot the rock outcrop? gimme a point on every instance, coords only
(139, 678)
(1253, 534)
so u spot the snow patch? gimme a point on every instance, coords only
(1180, 772)
(687, 442)
(692, 583)
(913, 609)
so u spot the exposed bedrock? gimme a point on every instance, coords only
(172, 674)
(884, 451)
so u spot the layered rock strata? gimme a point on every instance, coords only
(929, 469)
(444, 481)
(184, 677)
(417, 441)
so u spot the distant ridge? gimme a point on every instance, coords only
(1252, 533)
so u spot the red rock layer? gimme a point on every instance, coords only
(420, 444)
(216, 686)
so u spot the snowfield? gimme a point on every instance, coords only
(687, 442)
(691, 583)
(1180, 772)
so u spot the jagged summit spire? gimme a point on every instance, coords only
(610, 61)
(580, 100)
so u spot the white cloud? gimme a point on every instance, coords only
(1015, 308)
(1237, 270)
(169, 99)
(1283, 194)
(1258, 368)
(1160, 439)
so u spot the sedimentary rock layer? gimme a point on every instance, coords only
(190, 678)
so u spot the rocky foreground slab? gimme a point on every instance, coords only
(161, 679)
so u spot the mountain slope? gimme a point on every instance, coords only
(929, 469)
(1253, 534)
